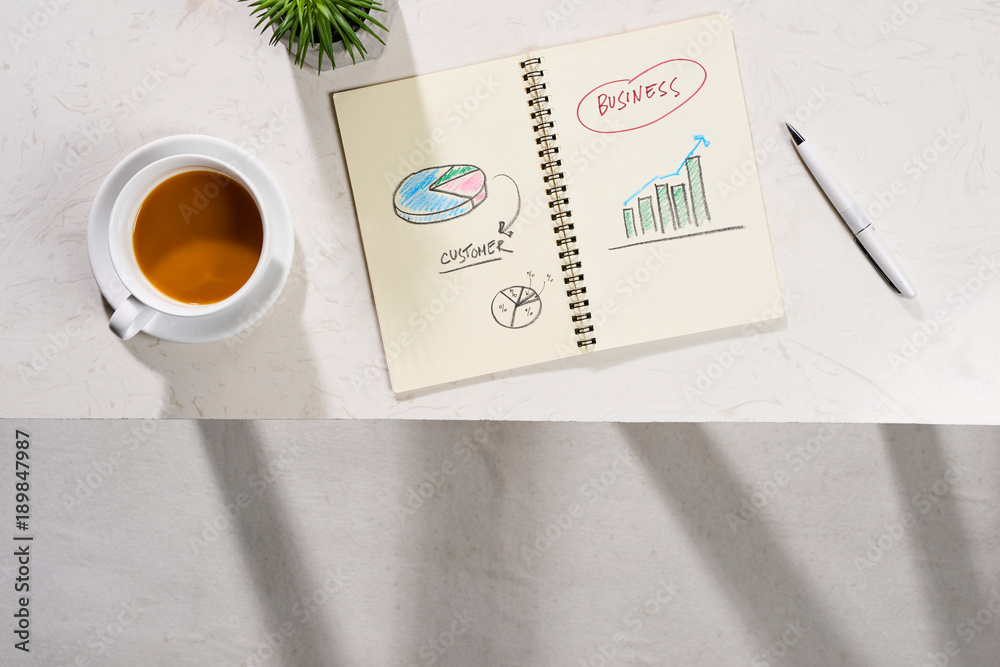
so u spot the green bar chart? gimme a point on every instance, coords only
(667, 218)
(680, 204)
(698, 201)
(646, 215)
(629, 223)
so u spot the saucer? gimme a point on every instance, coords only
(239, 316)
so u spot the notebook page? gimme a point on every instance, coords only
(662, 182)
(460, 251)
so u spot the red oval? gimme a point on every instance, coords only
(704, 78)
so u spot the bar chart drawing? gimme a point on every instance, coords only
(675, 206)
(671, 206)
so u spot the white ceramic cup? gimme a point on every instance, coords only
(145, 301)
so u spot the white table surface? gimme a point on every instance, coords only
(872, 87)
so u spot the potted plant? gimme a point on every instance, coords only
(334, 31)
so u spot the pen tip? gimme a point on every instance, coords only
(796, 137)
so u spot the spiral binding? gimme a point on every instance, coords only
(548, 151)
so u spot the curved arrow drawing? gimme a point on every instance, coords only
(699, 141)
(506, 228)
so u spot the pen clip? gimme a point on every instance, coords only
(877, 267)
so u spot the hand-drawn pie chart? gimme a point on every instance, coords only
(439, 193)
(516, 307)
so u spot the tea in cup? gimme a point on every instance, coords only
(189, 237)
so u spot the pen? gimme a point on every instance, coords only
(865, 236)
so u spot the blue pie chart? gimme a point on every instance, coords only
(439, 193)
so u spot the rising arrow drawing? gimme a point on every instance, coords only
(699, 140)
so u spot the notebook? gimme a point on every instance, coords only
(566, 201)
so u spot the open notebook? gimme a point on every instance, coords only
(569, 200)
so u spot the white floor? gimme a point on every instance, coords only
(372, 543)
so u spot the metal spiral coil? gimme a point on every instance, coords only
(545, 137)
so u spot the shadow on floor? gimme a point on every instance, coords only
(767, 588)
(269, 545)
(927, 482)
(460, 564)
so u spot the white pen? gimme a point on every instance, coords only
(865, 236)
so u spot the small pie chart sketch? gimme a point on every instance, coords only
(436, 194)
(516, 307)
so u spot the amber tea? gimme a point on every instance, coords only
(198, 237)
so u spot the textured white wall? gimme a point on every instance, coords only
(136, 562)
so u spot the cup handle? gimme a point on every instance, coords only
(130, 318)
